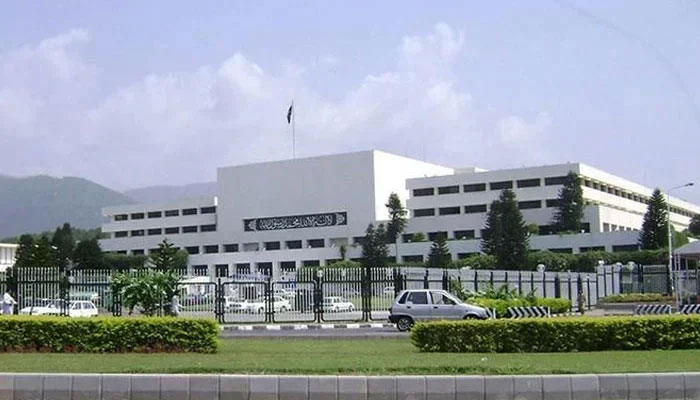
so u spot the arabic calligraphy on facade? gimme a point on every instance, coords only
(296, 221)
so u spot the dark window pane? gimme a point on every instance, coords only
(418, 297)
(528, 205)
(562, 250)
(231, 248)
(625, 247)
(121, 217)
(315, 243)
(475, 187)
(155, 231)
(192, 249)
(155, 214)
(293, 244)
(137, 252)
(171, 230)
(288, 266)
(172, 213)
(466, 234)
(449, 210)
(137, 216)
(448, 189)
(189, 211)
(434, 235)
(221, 270)
(526, 183)
(424, 212)
(417, 258)
(208, 210)
(200, 270)
(121, 234)
(272, 245)
(552, 203)
(311, 263)
(477, 208)
(138, 232)
(423, 192)
(208, 228)
(501, 185)
(189, 229)
(555, 180)
(211, 249)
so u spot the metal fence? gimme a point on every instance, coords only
(323, 294)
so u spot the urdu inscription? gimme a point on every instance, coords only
(295, 221)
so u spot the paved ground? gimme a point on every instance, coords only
(366, 333)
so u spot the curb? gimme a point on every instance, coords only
(303, 327)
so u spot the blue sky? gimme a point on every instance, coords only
(138, 93)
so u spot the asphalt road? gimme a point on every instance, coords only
(339, 333)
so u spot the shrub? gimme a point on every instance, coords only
(108, 335)
(149, 291)
(557, 306)
(559, 335)
(638, 298)
(476, 261)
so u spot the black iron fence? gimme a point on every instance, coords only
(323, 294)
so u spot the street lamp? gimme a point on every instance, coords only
(670, 234)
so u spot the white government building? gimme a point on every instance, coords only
(274, 217)
(7, 255)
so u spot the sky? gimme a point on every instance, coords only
(131, 94)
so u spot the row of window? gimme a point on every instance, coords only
(481, 208)
(614, 228)
(467, 234)
(630, 196)
(173, 230)
(167, 213)
(482, 187)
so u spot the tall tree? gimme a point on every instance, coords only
(397, 221)
(439, 256)
(88, 255)
(374, 247)
(64, 243)
(25, 251)
(654, 234)
(694, 227)
(505, 234)
(164, 258)
(569, 212)
(45, 254)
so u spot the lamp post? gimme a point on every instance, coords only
(670, 235)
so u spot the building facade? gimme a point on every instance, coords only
(274, 217)
(8, 252)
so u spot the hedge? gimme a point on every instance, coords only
(559, 335)
(107, 335)
(638, 298)
(557, 306)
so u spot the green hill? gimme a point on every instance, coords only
(40, 203)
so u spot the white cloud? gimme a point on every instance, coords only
(178, 127)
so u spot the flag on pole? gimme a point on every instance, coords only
(289, 113)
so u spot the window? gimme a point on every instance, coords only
(466, 234)
(551, 203)
(449, 210)
(423, 192)
(231, 248)
(593, 248)
(153, 251)
(586, 227)
(402, 300)
(272, 245)
(545, 230)
(137, 216)
(121, 234)
(207, 228)
(288, 266)
(434, 235)
(358, 240)
(555, 180)
(562, 250)
(137, 252)
(407, 237)
(189, 211)
(251, 246)
(606, 227)
(413, 259)
(221, 270)
(501, 185)
(208, 210)
(528, 205)
(243, 268)
(121, 217)
(189, 229)
(137, 232)
(315, 243)
(293, 244)
(172, 230)
(172, 213)
(448, 189)
(311, 263)
(155, 231)
(441, 299)
(200, 270)
(155, 214)
(192, 249)
(120, 251)
(424, 212)
(477, 208)
(462, 256)
(265, 268)
(625, 247)
(211, 249)
(474, 187)
(526, 183)
(418, 298)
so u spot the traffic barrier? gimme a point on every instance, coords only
(652, 309)
(529, 312)
(690, 309)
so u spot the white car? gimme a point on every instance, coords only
(337, 304)
(42, 307)
(280, 304)
(285, 293)
(76, 309)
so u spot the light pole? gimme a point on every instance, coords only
(670, 234)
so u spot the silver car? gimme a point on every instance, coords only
(430, 305)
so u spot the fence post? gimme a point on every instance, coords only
(445, 281)
(269, 301)
(219, 302)
(605, 282)
(544, 284)
(426, 284)
(476, 280)
(317, 297)
(579, 291)
(505, 279)
(571, 298)
(588, 291)
(557, 285)
(619, 277)
(366, 293)
(640, 277)
(520, 283)
(532, 282)
(491, 278)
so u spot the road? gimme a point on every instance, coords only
(339, 333)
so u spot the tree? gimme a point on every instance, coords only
(439, 256)
(25, 252)
(374, 247)
(397, 221)
(45, 255)
(505, 234)
(88, 255)
(164, 258)
(64, 243)
(694, 227)
(654, 233)
(569, 212)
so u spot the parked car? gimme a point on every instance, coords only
(42, 307)
(337, 304)
(76, 309)
(286, 293)
(426, 305)
(389, 290)
(279, 304)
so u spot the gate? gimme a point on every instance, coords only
(42, 287)
(243, 302)
(294, 301)
(198, 299)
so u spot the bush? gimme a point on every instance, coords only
(557, 306)
(638, 298)
(559, 335)
(476, 261)
(107, 335)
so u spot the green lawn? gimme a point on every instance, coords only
(382, 356)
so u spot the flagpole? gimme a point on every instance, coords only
(294, 140)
